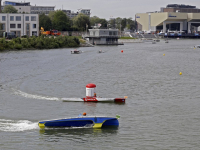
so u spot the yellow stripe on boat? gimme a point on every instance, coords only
(97, 125)
(41, 125)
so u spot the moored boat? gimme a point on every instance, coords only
(81, 121)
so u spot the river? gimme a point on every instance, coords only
(161, 112)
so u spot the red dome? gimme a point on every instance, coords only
(90, 85)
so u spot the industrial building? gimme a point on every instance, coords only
(174, 17)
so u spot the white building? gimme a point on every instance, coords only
(72, 14)
(21, 24)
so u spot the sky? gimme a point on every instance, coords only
(111, 8)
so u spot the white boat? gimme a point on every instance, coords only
(197, 46)
(100, 51)
(76, 51)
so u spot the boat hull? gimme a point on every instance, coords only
(95, 122)
(94, 99)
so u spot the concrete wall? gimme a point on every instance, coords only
(158, 18)
(193, 16)
(143, 19)
(25, 9)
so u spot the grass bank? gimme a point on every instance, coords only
(123, 38)
(41, 42)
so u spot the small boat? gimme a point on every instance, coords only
(91, 96)
(154, 42)
(100, 51)
(197, 46)
(81, 121)
(166, 41)
(76, 51)
(94, 99)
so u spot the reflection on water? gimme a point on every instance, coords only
(78, 131)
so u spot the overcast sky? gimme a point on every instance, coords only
(115, 8)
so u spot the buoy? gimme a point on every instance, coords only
(180, 73)
(84, 114)
(122, 51)
(163, 54)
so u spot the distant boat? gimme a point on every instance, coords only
(197, 46)
(100, 51)
(81, 121)
(166, 41)
(76, 51)
(154, 42)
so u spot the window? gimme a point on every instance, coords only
(34, 25)
(34, 33)
(3, 18)
(27, 18)
(12, 25)
(2, 27)
(18, 18)
(18, 25)
(18, 33)
(33, 18)
(27, 26)
(11, 18)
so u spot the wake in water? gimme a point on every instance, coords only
(18, 92)
(17, 126)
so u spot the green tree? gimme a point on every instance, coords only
(45, 22)
(51, 15)
(9, 9)
(61, 21)
(81, 21)
(96, 20)
(131, 24)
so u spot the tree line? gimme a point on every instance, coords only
(58, 20)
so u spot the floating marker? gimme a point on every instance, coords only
(180, 73)
(163, 54)
(122, 51)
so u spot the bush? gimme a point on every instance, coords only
(18, 46)
(41, 42)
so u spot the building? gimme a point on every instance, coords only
(170, 19)
(21, 24)
(180, 8)
(72, 14)
(25, 7)
(103, 37)
(84, 11)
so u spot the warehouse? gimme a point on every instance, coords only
(172, 18)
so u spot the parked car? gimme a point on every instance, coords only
(9, 35)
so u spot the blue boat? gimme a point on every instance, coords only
(81, 121)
